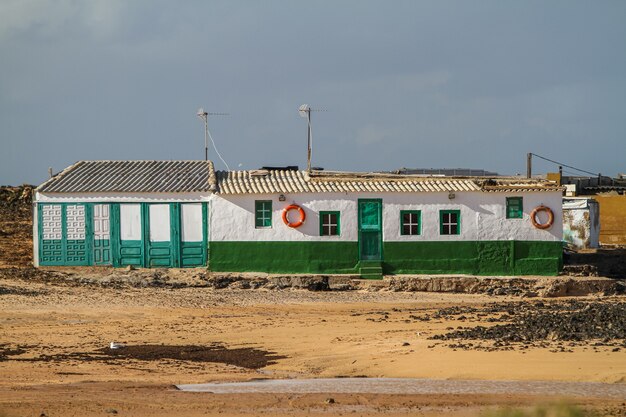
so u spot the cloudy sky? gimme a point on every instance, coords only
(474, 84)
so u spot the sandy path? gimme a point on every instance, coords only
(320, 335)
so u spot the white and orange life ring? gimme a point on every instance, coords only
(533, 217)
(301, 219)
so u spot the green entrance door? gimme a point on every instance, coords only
(370, 230)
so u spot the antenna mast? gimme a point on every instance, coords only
(205, 116)
(305, 111)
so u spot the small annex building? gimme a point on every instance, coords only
(120, 213)
(185, 214)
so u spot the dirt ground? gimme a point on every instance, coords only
(55, 355)
(55, 336)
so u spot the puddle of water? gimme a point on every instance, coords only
(413, 386)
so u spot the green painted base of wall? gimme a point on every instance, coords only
(474, 258)
(284, 257)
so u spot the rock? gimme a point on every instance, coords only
(406, 344)
(330, 400)
(572, 321)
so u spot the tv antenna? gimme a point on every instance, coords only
(207, 135)
(305, 111)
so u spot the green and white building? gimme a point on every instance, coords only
(185, 214)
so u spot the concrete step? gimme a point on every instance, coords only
(371, 270)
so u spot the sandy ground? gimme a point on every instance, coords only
(309, 335)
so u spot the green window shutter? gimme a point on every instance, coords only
(330, 223)
(410, 222)
(450, 222)
(263, 213)
(514, 208)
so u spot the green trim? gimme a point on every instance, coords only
(326, 213)
(175, 236)
(514, 208)
(260, 209)
(419, 222)
(114, 212)
(89, 232)
(458, 222)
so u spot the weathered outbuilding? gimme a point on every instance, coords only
(119, 213)
(179, 214)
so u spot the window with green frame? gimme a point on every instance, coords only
(329, 223)
(410, 222)
(450, 222)
(514, 207)
(263, 213)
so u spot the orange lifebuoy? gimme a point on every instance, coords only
(297, 223)
(533, 217)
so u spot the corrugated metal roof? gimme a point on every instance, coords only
(289, 181)
(133, 176)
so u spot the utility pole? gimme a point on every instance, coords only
(529, 165)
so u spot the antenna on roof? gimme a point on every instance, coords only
(205, 116)
(305, 111)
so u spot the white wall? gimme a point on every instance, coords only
(35, 235)
(483, 216)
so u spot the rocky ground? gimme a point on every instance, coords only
(16, 247)
(558, 326)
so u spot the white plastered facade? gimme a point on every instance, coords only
(483, 216)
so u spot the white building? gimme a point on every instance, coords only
(171, 214)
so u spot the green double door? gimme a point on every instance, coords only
(162, 235)
(370, 230)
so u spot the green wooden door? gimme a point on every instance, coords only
(63, 231)
(101, 214)
(370, 230)
(162, 235)
(193, 234)
(128, 230)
